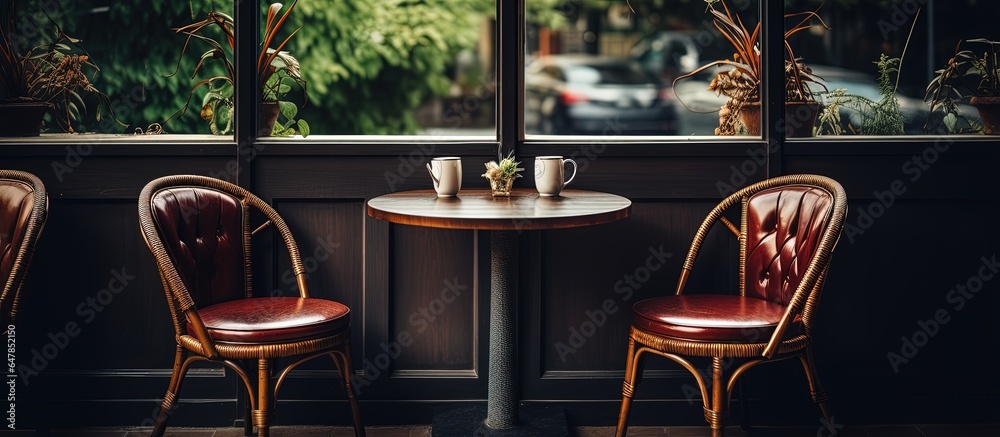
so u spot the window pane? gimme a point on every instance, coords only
(862, 84)
(607, 68)
(392, 67)
(143, 75)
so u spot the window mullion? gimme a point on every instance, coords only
(510, 72)
(247, 23)
(773, 81)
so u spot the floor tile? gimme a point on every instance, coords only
(960, 430)
(894, 431)
(229, 432)
(200, 432)
(702, 431)
(87, 433)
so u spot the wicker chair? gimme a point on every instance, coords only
(23, 209)
(199, 231)
(789, 227)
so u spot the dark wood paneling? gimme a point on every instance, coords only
(584, 272)
(327, 235)
(898, 271)
(674, 177)
(92, 270)
(115, 177)
(433, 291)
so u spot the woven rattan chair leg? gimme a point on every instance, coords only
(632, 370)
(816, 388)
(173, 389)
(717, 415)
(343, 361)
(262, 415)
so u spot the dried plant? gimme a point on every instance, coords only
(741, 83)
(55, 72)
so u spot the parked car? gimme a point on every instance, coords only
(669, 53)
(599, 95)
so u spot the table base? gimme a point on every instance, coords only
(468, 420)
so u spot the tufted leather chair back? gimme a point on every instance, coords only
(789, 227)
(203, 230)
(199, 231)
(783, 227)
(23, 206)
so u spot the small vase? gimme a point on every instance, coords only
(501, 186)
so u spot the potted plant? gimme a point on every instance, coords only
(741, 82)
(278, 74)
(501, 174)
(49, 76)
(968, 75)
(866, 116)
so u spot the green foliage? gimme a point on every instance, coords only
(135, 46)
(547, 13)
(967, 74)
(369, 64)
(882, 117)
(41, 63)
(287, 125)
(504, 167)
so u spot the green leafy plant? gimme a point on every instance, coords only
(55, 71)
(741, 82)
(278, 72)
(881, 117)
(966, 75)
(503, 168)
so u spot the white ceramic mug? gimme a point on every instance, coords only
(550, 175)
(447, 175)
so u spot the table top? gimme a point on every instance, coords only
(478, 209)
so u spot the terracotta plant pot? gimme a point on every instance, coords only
(267, 115)
(750, 117)
(22, 119)
(989, 113)
(800, 117)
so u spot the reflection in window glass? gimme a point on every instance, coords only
(608, 68)
(391, 67)
(868, 90)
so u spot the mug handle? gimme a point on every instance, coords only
(574, 171)
(433, 178)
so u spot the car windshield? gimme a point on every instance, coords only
(607, 75)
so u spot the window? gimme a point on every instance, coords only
(395, 68)
(875, 72)
(617, 65)
(352, 67)
(610, 68)
(136, 75)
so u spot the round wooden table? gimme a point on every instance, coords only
(504, 217)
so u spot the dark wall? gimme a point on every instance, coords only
(896, 268)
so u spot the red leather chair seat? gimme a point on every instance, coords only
(273, 319)
(712, 317)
